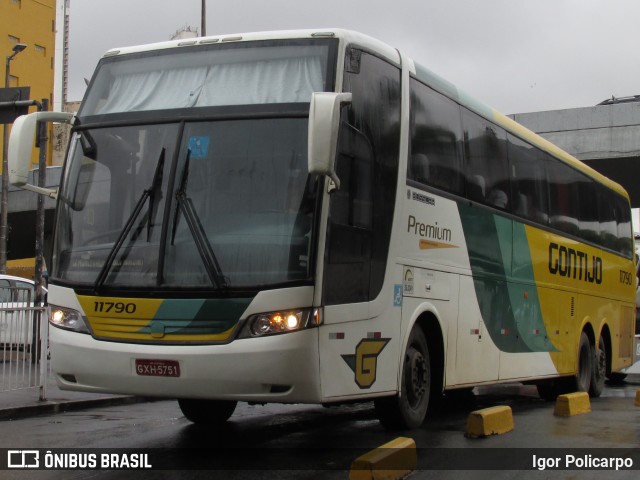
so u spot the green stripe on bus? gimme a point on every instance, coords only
(510, 307)
(198, 316)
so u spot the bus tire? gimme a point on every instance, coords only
(548, 390)
(617, 378)
(599, 368)
(581, 382)
(584, 374)
(207, 412)
(409, 409)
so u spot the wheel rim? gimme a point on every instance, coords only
(601, 361)
(416, 379)
(584, 373)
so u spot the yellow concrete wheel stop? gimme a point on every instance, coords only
(490, 421)
(571, 404)
(391, 461)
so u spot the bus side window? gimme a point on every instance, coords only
(528, 182)
(564, 197)
(435, 140)
(607, 216)
(589, 219)
(625, 244)
(485, 148)
(419, 168)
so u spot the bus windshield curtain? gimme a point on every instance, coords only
(280, 80)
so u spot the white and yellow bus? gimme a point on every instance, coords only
(310, 216)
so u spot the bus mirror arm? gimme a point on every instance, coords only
(21, 144)
(324, 121)
(48, 192)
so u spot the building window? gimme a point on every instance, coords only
(40, 49)
(13, 39)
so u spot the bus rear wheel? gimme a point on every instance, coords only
(585, 365)
(617, 378)
(207, 412)
(599, 368)
(408, 410)
(580, 382)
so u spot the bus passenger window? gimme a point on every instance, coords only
(608, 223)
(528, 181)
(485, 148)
(435, 140)
(476, 188)
(564, 197)
(419, 166)
(625, 234)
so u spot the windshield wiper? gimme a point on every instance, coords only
(185, 206)
(154, 192)
(88, 144)
(150, 194)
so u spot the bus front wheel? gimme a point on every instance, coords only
(207, 412)
(408, 410)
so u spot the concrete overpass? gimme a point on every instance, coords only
(606, 137)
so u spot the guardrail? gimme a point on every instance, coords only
(23, 341)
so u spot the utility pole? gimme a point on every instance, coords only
(39, 251)
(203, 19)
(4, 201)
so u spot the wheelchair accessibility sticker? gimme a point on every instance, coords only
(397, 295)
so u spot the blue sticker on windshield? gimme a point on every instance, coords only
(199, 147)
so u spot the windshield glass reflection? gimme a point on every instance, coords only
(230, 206)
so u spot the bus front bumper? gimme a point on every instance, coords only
(280, 368)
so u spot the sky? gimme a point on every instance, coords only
(514, 55)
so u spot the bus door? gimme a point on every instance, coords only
(358, 343)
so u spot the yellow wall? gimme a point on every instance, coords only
(31, 22)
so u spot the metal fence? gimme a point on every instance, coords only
(23, 341)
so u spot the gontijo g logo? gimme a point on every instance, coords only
(365, 361)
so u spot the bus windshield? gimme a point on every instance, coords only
(215, 196)
(215, 75)
(240, 207)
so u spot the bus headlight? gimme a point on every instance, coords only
(284, 321)
(68, 319)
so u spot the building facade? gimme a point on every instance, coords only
(30, 22)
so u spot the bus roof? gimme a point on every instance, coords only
(423, 74)
(347, 36)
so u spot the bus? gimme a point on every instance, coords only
(313, 217)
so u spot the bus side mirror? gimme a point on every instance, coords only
(21, 144)
(324, 120)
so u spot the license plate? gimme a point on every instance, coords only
(157, 368)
